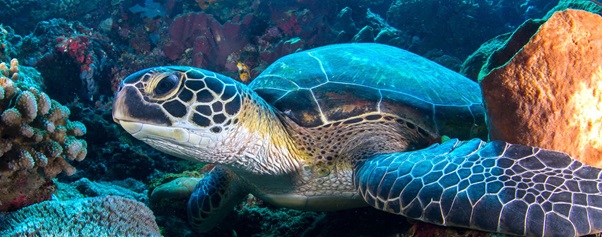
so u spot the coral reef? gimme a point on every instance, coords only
(8, 39)
(459, 27)
(37, 141)
(101, 216)
(211, 42)
(78, 49)
(84, 188)
(69, 55)
(39, 10)
(200, 39)
(91, 46)
(95, 189)
(272, 219)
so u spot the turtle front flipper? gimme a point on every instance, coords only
(494, 186)
(213, 198)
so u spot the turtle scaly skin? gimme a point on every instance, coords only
(493, 186)
(351, 125)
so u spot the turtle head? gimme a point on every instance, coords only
(175, 109)
(197, 115)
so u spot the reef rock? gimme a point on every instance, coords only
(180, 188)
(549, 94)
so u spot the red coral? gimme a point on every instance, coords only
(139, 42)
(29, 190)
(78, 48)
(116, 78)
(75, 47)
(290, 26)
(210, 41)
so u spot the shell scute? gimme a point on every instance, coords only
(335, 82)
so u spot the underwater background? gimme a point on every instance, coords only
(63, 60)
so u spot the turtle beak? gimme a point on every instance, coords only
(120, 113)
(119, 105)
(129, 105)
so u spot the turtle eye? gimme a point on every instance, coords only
(166, 85)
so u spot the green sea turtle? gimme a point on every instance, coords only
(350, 125)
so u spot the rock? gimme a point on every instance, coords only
(509, 47)
(473, 64)
(549, 94)
(180, 188)
(378, 30)
(366, 34)
(449, 61)
(345, 25)
(172, 197)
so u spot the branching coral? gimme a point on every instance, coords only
(37, 141)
